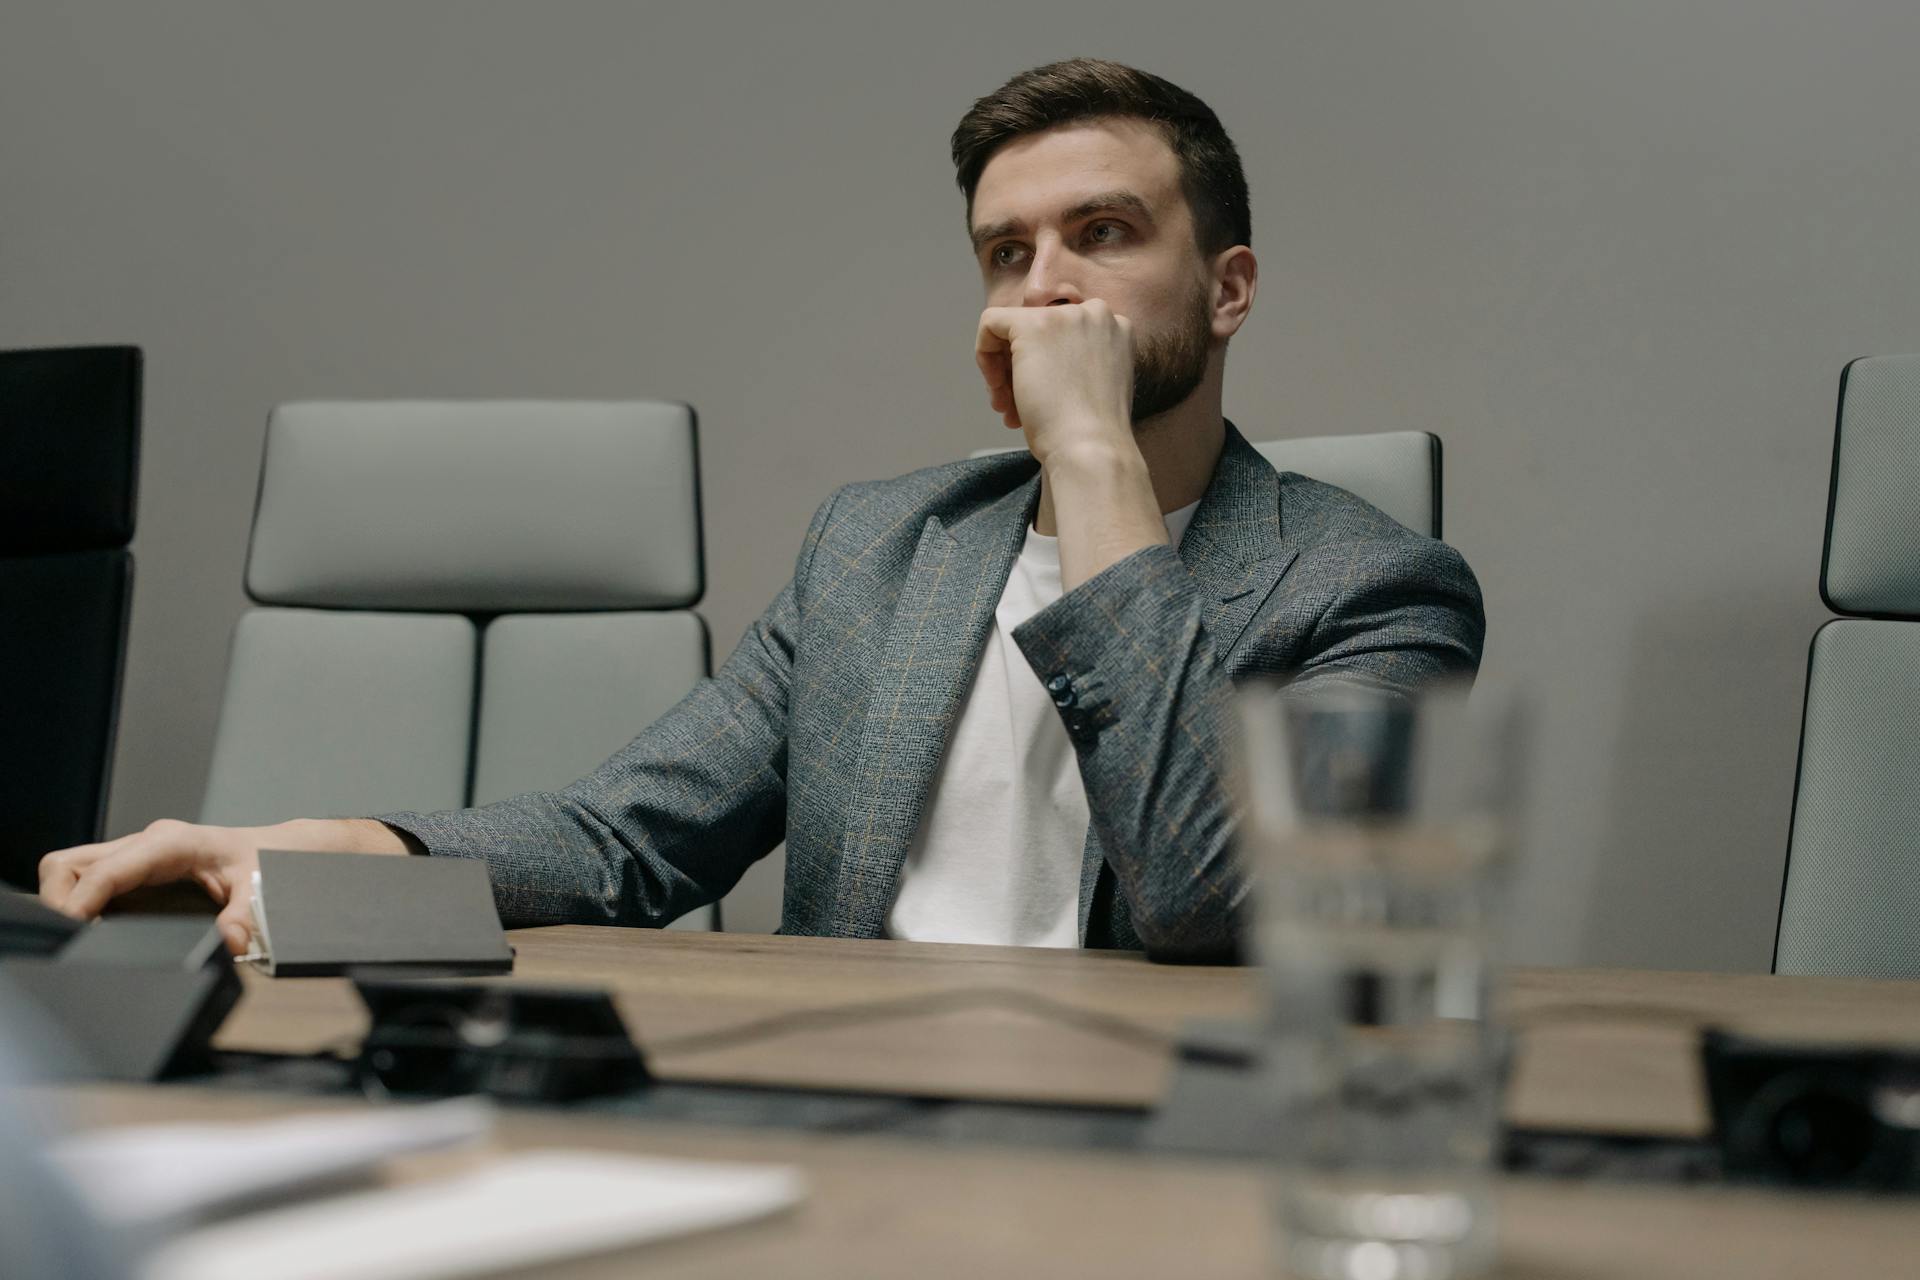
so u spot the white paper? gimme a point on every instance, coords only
(260, 944)
(524, 1210)
(167, 1174)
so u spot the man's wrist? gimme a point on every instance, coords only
(335, 835)
(1103, 506)
(1101, 457)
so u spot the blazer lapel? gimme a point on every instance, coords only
(928, 659)
(1233, 545)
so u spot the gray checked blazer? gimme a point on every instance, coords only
(827, 723)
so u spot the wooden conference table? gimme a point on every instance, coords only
(1605, 1050)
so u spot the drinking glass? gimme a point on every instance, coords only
(1377, 832)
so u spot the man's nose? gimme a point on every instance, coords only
(1050, 280)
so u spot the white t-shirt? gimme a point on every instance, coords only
(997, 856)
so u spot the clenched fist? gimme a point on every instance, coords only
(1063, 374)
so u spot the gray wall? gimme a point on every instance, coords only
(1615, 254)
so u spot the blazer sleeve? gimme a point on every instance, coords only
(1143, 686)
(672, 820)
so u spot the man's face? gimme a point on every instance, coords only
(1095, 210)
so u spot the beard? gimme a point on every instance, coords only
(1167, 366)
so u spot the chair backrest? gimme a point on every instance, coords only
(466, 601)
(1396, 471)
(1850, 900)
(69, 463)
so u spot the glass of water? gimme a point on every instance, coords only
(1377, 830)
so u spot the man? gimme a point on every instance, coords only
(992, 703)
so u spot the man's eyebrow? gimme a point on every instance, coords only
(1110, 202)
(982, 236)
(1105, 202)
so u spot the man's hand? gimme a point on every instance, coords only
(1061, 374)
(1064, 375)
(81, 881)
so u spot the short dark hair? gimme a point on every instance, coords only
(1088, 88)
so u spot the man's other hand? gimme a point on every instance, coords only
(1062, 374)
(81, 881)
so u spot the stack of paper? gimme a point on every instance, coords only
(184, 1186)
(170, 1175)
(520, 1212)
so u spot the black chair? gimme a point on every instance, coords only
(69, 457)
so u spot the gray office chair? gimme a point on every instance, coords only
(462, 601)
(1850, 902)
(1396, 471)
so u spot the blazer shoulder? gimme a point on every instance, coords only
(1340, 537)
(949, 490)
(1314, 512)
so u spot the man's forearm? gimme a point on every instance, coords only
(1147, 730)
(335, 835)
(667, 823)
(1104, 508)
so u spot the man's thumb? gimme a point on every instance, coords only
(233, 928)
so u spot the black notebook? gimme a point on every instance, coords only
(325, 913)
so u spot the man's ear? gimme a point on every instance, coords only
(1236, 278)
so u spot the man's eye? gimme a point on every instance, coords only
(1005, 255)
(1103, 232)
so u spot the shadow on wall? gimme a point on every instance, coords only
(1688, 870)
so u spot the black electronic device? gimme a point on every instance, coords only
(510, 1041)
(127, 1022)
(69, 477)
(188, 943)
(130, 997)
(1814, 1115)
(29, 927)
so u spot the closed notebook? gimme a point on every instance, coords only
(325, 913)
